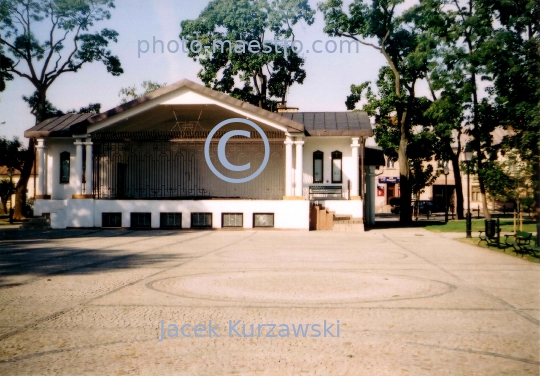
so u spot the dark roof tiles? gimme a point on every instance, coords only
(333, 123)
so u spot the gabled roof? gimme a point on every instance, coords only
(333, 123)
(70, 124)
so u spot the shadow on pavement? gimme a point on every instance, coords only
(34, 253)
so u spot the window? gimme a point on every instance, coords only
(64, 167)
(263, 220)
(111, 220)
(475, 193)
(336, 167)
(318, 158)
(170, 220)
(389, 163)
(232, 220)
(141, 220)
(201, 220)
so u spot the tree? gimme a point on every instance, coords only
(130, 93)
(11, 156)
(66, 47)
(406, 55)
(465, 34)
(446, 116)
(229, 28)
(516, 67)
(7, 188)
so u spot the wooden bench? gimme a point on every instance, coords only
(326, 192)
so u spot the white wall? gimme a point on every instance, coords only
(87, 213)
(327, 145)
(55, 146)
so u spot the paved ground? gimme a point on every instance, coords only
(409, 302)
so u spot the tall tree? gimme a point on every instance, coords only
(515, 63)
(406, 56)
(67, 45)
(464, 31)
(265, 73)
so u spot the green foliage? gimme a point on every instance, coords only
(66, 45)
(11, 153)
(130, 93)
(7, 188)
(407, 53)
(265, 77)
(48, 110)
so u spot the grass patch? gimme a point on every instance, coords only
(508, 251)
(507, 225)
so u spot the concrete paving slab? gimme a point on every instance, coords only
(407, 301)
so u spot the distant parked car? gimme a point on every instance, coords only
(424, 206)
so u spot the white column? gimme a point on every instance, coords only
(78, 166)
(355, 180)
(89, 167)
(42, 168)
(299, 171)
(288, 166)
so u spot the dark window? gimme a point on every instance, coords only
(170, 220)
(389, 163)
(336, 167)
(141, 220)
(263, 220)
(232, 220)
(318, 160)
(201, 220)
(111, 220)
(64, 167)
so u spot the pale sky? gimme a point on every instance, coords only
(328, 81)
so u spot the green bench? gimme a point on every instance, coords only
(522, 242)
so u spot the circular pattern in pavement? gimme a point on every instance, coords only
(364, 256)
(301, 287)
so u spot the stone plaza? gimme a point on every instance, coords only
(408, 302)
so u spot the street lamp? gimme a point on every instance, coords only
(468, 154)
(446, 171)
(10, 169)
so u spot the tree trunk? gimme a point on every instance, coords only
(20, 190)
(487, 214)
(458, 184)
(537, 192)
(404, 183)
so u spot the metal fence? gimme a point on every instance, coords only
(173, 167)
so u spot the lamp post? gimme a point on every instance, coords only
(468, 154)
(10, 169)
(446, 171)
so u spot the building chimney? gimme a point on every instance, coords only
(282, 108)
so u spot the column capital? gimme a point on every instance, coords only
(299, 142)
(355, 143)
(87, 143)
(288, 141)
